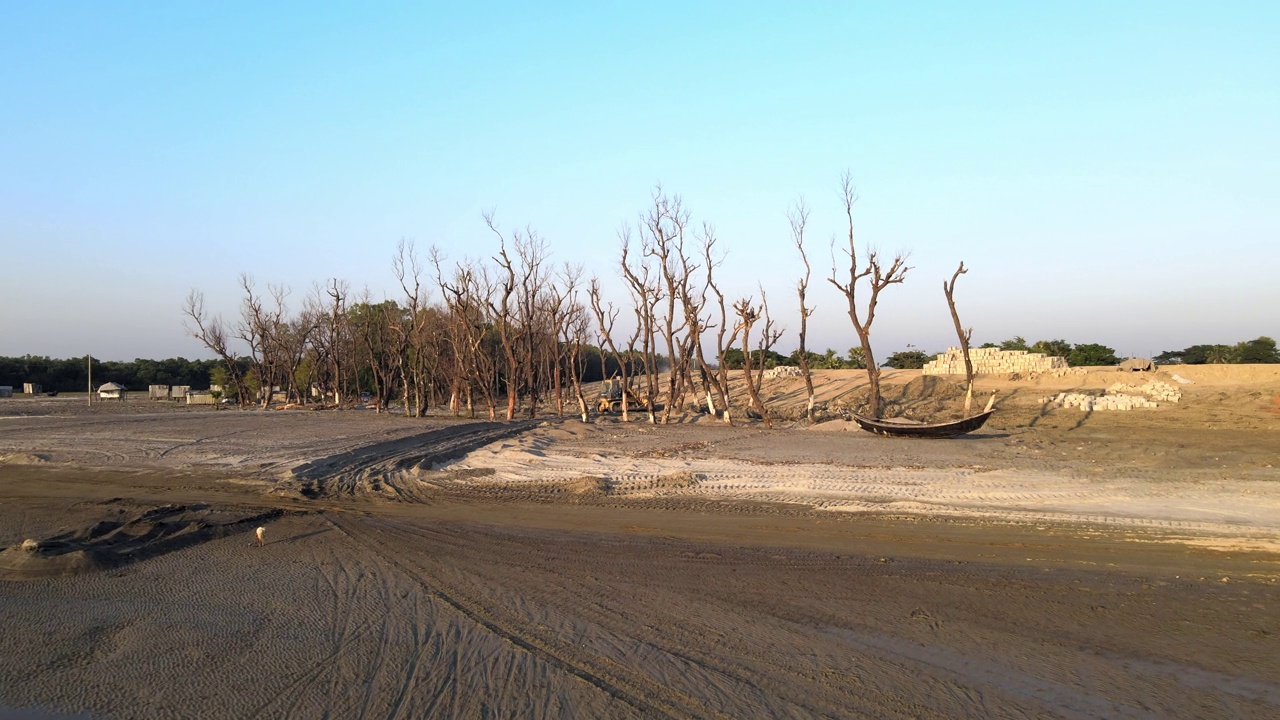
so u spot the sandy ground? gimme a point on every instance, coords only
(1054, 564)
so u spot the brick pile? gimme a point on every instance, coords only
(1120, 396)
(1152, 389)
(1087, 402)
(782, 371)
(992, 361)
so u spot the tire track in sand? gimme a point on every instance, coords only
(649, 699)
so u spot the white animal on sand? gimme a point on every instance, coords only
(262, 534)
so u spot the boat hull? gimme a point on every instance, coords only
(933, 430)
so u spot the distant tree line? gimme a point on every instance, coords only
(1258, 351)
(72, 374)
(1083, 354)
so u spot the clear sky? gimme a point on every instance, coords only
(1109, 170)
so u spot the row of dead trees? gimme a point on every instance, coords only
(513, 334)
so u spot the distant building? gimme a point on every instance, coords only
(111, 391)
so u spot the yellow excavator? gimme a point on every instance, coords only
(613, 394)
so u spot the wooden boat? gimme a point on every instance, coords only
(898, 428)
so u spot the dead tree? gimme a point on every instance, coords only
(416, 351)
(664, 227)
(503, 315)
(724, 339)
(693, 303)
(769, 335)
(333, 338)
(562, 312)
(799, 218)
(257, 329)
(748, 314)
(372, 327)
(606, 316)
(475, 368)
(532, 314)
(645, 296)
(212, 332)
(293, 342)
(574, 328)
(948, 289)
(878, 278)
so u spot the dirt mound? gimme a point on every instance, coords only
(23, 458)
(588, 485)
(676, 481)
(111, 543)
(394, 470)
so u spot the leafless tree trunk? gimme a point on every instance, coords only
(334, 337)
(293, 340)
(799, 218)
(256, 329)
(517, 312)
(769, 336)
(466, 298)
(212, 332)
(575, 327)
(724, 340)
(606, 317)
(747, 316)
(878, 278)
(645, 296)
(536, 332)
(413, 347)
(948, 289)
(503, 316)
(665, 226)
(693, 305)
(562, 310)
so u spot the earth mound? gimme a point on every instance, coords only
(112, 543)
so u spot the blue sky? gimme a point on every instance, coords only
(1110, 172)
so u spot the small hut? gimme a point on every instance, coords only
(111, 391)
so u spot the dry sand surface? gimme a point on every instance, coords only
(1054, 564)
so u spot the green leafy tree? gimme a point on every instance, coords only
(907, 360)
(829, 361)
(1261, 350)
(1092, 354)
(1219, 355)
(1052, 348)
(1017, 342)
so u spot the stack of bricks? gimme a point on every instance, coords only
(1087, 402)
(1154, 389)
(991, 361)
(782, 371)
(1119, 396)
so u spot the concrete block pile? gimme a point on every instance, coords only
(1120, 396)
(992, 361)
(1153, 390)
(1087, 402)
(782, 371)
